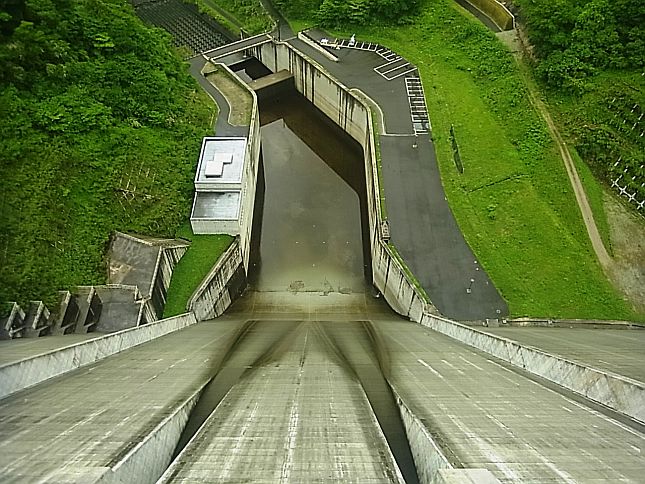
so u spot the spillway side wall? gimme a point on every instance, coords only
(428, 457)
(31, 371)
(220, 287)
(149, 458)
(617, 392)
(495, 11)
(250, 178)
(351, 113)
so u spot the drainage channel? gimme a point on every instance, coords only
(366, 356)
(247, 350)
(314, 220)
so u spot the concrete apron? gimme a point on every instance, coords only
(621, 394)
(30, 371)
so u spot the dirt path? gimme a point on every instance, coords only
(627, 269)
(519, 49)
(579, 191)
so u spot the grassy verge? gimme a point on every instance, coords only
(298, 25)
(239, 98)
(193, 267)
(593, 188)
(379, 165)
(226, 20)
(513, 203)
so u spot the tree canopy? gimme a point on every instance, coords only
(99, 130)
(577, 38)
(338, 13)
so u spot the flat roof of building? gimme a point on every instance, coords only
(221, 160)
(217, 205)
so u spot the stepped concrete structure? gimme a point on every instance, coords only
(325, 379)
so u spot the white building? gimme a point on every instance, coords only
(218, 186)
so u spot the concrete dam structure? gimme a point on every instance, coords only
(306, 375)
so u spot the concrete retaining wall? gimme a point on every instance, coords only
(428, 457)
(622, 394)
(433, 467)
(351, 112)
(31, 371)
(495, 11)
(149, 459)
(221, 286)
(250, 178)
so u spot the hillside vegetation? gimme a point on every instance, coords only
(339, 13)
(237, 15)
(513, 202)
(100, 127)
(591, 59)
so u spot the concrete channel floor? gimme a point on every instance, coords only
(482, 414)
(486, 415)
(299, 415)
(620, 351)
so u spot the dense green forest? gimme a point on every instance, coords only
(340, 13)
(100, 126)
(591, 57)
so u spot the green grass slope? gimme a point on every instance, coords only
(513, 203)
(193, 267)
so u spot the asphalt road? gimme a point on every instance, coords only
(423, 227)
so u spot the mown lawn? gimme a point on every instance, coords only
(193, 267)
(514, 202)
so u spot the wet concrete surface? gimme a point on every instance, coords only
(299, 413)
(312, 238)
(620, 351)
